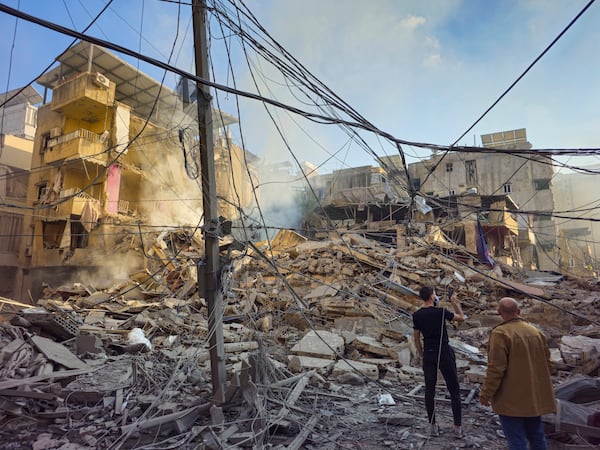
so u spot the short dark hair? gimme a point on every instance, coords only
(425, 293)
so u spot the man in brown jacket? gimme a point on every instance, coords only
(517, 382)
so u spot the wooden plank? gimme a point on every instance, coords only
(416, 389)
(234, 347)
(118, 401)
(581, 430)
(388, 298)
(8, 384)
(470, 396)
(179, 417)
(298, 441)
(27, 394)
(8, 301)
(297, 391)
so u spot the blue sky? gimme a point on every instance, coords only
(420, 70)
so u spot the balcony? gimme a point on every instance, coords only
(80, 144)
(505, 219)
(73, 206)
(86, 96)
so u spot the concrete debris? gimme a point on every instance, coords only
(127, 364)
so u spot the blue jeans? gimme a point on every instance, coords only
(519, 430)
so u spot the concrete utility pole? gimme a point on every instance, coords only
(209, 283)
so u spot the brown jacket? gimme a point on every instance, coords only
(517, 381)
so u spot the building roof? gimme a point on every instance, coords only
(133, 87)
(28, 95)
(506, 139)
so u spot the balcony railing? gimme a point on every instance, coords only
(80, 143)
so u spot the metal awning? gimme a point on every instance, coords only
(29, 95)
(133, 87)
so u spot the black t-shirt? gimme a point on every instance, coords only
(429, 322)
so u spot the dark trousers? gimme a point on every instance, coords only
(448, 368)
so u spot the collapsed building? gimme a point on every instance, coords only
(527, 181)
(316, 328)
(109, 151)
(318, 349)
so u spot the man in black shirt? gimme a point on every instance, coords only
(430, 322)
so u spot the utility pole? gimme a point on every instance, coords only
(209, 282)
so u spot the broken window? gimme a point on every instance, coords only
(377, 178)
(507, 188)
(541, 184)
(45, 140)
(53, 233)
(79, 235)
(471, 172)
(42, 191)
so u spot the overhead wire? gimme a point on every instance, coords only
(521, 76)
(283, 279)
(347, 124)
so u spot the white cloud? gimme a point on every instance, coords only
(433, 60)
(412, 22)
(411, 68)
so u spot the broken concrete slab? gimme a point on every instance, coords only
(319, 344)
(297, 364)
(476, 374)
(401, 419)
(344, 366)
(88, 344)
(324, 290)
(58, 353)
(371, 345)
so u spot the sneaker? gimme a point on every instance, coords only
(458, 432)
(434, 429)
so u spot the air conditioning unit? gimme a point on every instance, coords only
(101, 80)
(55, 132)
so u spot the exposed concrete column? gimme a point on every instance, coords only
(90, 58)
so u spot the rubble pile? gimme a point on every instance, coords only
(318, 342)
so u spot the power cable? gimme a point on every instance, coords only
(533, 63)
(513, 84)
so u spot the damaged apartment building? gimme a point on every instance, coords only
(526, 181)
(577, 239)
(18, 123)
(366, 200)
(462, 194)
(110, 150)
